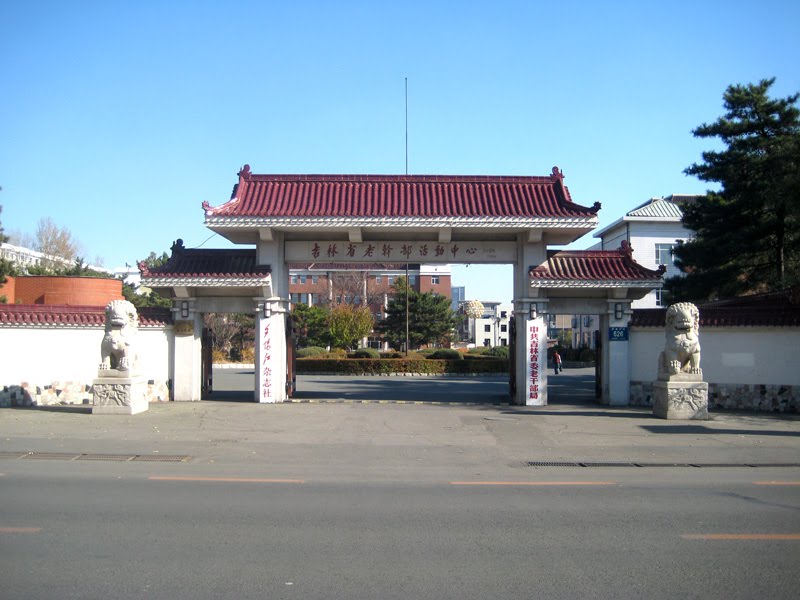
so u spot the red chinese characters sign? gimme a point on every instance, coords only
(401, 251)
(266, 369)
(534, 391)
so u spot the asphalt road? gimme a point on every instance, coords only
(573, 386)
(106, 530)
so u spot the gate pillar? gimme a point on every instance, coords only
(531, 353)
(615, 357)
(187, 351)
(270, 346)
(530, 350)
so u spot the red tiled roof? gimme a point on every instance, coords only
(353, 267)
(194, 263)
(399, 196)
(594, 265)
(780, 309)
(74, 316)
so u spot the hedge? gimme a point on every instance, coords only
(311, 351)
(366, 353)
(446, 354)
(384, 366)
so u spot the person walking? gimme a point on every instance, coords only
(556, 361)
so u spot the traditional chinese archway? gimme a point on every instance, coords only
(364, 219)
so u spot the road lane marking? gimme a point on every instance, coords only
(533, 483)
(20, 529)
(776, 483)
(741, 536)
(225, 479)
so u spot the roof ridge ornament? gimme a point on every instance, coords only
(244, 172)
(626, 249)
(177, 247)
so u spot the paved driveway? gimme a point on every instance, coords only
(573, 386)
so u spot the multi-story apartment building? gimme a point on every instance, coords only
(458, 295)
(652, 229)
(491, 329)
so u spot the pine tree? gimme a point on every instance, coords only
(6, 266)
(430, 318)
(747, 234)
(311, 325)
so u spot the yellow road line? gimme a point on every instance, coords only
(20, 529)
(741, 536)
(533, 483)
(225, 479)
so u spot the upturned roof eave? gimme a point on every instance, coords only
(344, 221)
(599, 284)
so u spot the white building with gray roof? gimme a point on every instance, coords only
(652, 229)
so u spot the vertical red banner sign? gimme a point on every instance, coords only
(533, 361)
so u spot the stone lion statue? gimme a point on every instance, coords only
(117, 350)
(682, 348)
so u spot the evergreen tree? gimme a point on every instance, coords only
(430, 318)
(6, 266)
(150, 298)
(311, 325)
(747, 234)
(3, 236)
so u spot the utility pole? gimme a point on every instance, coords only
(407, 303)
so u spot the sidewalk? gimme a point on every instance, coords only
(402, 440)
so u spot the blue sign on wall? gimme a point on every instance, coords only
(618, 334)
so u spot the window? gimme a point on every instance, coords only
(503, 314)
(664, 254)
(294, 298)
(315, 279)
(293, 279)
(487, 328)
(487, 342)
(378, 279)
(662, 297)
(315, 299)
(412, 280)
(503, 328)
(390, 280)
(302, 278)
(503, 342)
(434, 280)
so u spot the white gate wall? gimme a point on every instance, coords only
(46, 356)
(730, 355)
(751, 368)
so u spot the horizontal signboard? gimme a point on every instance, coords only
(401, 251)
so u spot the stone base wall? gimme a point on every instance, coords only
(764, 398)
(66, 393)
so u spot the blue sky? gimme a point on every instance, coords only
(117, 119)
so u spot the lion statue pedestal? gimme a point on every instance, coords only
(119, 389)
(680, 392)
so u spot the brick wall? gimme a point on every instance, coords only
(443, 288)
(70, 291)
(8, 290)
